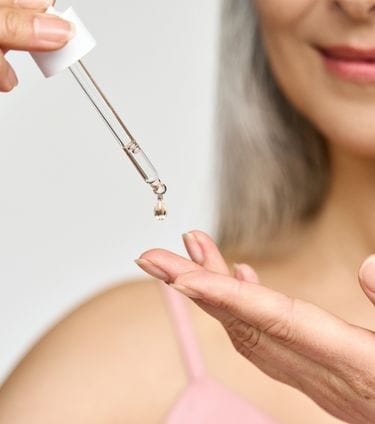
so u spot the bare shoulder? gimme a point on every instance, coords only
(104, 362)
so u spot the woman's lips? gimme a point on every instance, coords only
(356, 65)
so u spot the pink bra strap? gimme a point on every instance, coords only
(184, 331)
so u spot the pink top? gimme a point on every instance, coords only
(204, 400)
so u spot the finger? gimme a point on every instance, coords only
(203, 251)
(22, 30)
(244, 272)
(366, 278)
(255, 304)
(8, 78)
(301, 326)
(27, 4)
(166, 266)
(313, 334)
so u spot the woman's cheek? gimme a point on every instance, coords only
(276, 13)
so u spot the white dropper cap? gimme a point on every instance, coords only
(51, 63)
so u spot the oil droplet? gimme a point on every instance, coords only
(160, 211)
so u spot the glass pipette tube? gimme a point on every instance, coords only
(127, 142)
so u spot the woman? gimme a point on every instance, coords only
(297, 99)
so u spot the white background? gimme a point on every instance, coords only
(73, 211)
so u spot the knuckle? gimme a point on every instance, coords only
(243, 350)
(245, 338)
(335, 385)
(363, 387)
(280, 330)
(11, 24)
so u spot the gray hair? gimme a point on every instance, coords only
(273, 164)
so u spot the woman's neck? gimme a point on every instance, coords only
(324, 266)
(345, 227)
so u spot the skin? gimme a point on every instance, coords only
(302, 320)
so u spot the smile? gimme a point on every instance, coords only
(356, 65)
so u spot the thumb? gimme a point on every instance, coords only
(366, 277)
(21, 29)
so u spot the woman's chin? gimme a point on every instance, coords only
(353, 132)
(362, 143)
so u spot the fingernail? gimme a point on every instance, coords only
(12, 77)
(237, 271)
(185, 291)
(193, 247)
(34, 4)
(53, 29)
(153, 269)
(246, 273)
(367, 273)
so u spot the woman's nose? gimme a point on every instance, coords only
(356, 9)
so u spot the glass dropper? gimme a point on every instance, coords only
(127, 142)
